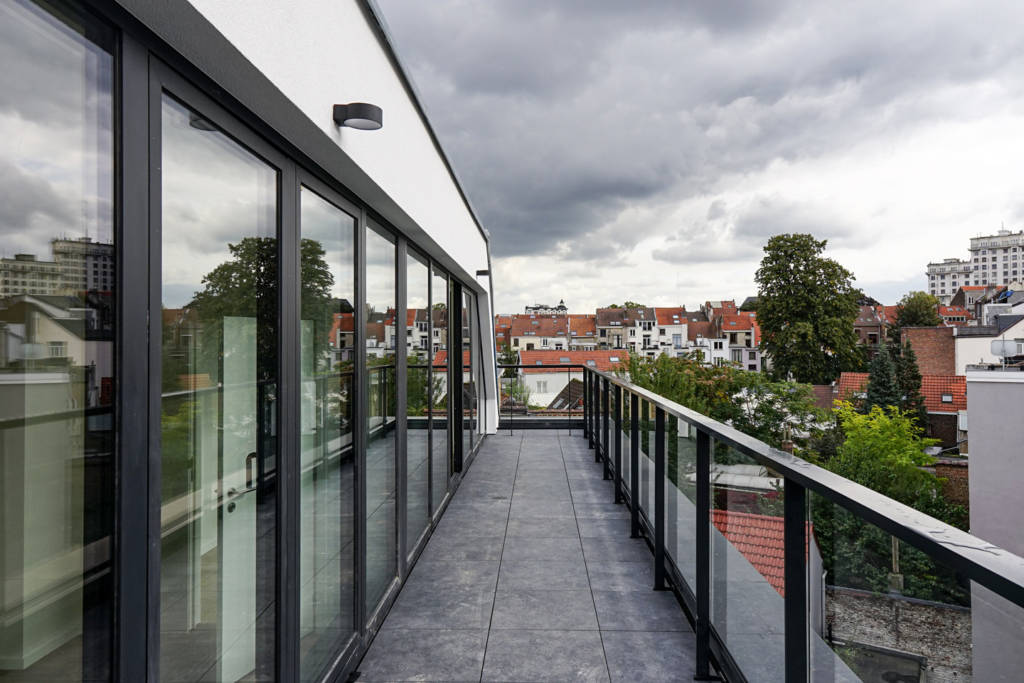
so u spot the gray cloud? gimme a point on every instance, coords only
(24, 196)
(560, 117)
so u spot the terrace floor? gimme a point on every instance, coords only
(531, 576)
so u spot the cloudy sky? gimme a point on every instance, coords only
(646, 150)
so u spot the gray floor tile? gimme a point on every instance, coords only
(455, 546)
(647, 610)
(545, 656)
(542, 526)
(544, 609)
(539, 506)
(439, 608)
(403, 655)
(607, 510)
(621, 576)
(525, 574)
(566, 549)
(620, 549)
(644, 657)
(451, 573)
(603, 527)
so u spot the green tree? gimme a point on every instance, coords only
(883, 389)
(908, 377)
(884, 451)
(508, 357)
(806, 308)
(915, 309)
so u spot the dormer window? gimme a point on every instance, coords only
(947, 398)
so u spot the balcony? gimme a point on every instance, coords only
(561, 557)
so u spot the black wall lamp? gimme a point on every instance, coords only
(359, 115)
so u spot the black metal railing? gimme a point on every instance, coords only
(518, 412)
(678, 473)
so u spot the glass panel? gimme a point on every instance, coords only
(624, 438)
(468, 385)
(381, 508)
(681, 498)
(646, 460)
(882, 610)
(57, 276)
(747, 573)
(417, 336)
(219, 353)
(440, 454)
(327, 474)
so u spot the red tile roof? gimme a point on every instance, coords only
(540, 326)
(582, 325)
(851, 384)
(733, 323)
(602, 359)
(760, 539)
(671, 316)
(441, 359)
(934, 387)
(704, 329)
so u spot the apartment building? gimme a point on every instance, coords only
(541, 332)
(994, 260)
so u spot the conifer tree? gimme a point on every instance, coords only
(883, 389)
(908, 377)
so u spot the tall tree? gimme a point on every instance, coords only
(915, 309)
(883, 389)
(806, 308)
(908, 377)
(508, 357)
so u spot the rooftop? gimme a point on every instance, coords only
(531, 575)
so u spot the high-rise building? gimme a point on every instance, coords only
(994, 260)
(945, 278)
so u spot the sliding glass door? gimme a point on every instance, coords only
(379, 350)
(440, 451)
(327, 598)
(57, 331)
(418, 396)
(219, 300)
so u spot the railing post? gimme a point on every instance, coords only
(795, 545)
(596, 391)
(703, 621)
(618, 443)
(605, 414)
(659, 499)
(591, 395)
(586, 405)
(634, 466)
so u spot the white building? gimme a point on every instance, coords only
(545, 380)
(945, 278)
(994, 260)
(973, 345)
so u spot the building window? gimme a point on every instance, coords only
(947, 398)
(58, 349)
(677, 340)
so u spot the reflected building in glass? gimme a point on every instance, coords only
(225, 429)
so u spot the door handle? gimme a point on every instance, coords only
(249, 461)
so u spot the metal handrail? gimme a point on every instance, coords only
(990, 566)
(993, 567)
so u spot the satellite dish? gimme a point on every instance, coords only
(1004, 348)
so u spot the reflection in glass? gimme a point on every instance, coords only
(747, 576)
(219, 365)
(468, 379)
(327, 476)
(57, 276)
(440, 454)
(418, 392)
(381, 506)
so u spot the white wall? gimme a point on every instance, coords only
(325, 52)
(978, 350)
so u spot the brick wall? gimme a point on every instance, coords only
(934, 349)
(955, 487)
(941, 634)
(943, 427)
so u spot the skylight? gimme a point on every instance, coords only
(592, 363)
(614, 359)
(564, 359)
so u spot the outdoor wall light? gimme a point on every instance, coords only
(358, 115)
